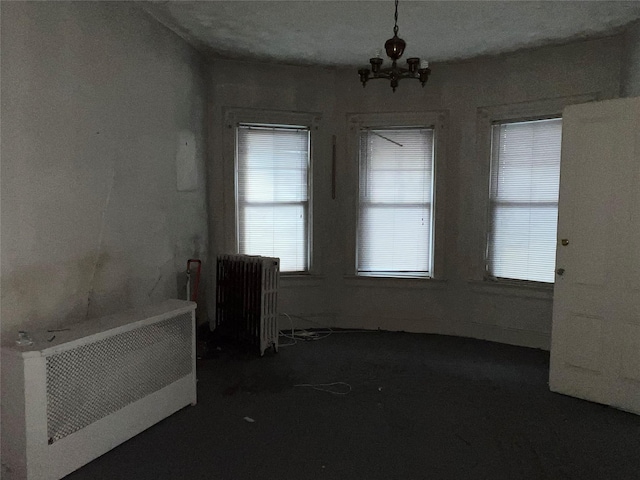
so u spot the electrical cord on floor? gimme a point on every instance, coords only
(317, 335)
(302, 335)
(291, 337)
(306, 335)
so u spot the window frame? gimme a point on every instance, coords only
(486, 118)
(435, 120)
(235, 117)
(488, 275)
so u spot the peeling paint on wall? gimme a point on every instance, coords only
(47, 293)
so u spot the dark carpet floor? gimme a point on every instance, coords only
(420, 407)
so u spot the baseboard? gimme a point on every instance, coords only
(510, 336)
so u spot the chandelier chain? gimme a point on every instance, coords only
(395, 26)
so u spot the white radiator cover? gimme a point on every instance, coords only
(68, 400)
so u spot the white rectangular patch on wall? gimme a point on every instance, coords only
(186, 166)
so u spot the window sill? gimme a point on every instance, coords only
(512, 289)
(393, 282)
(293, 280)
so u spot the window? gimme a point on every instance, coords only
(272, 202)
(525, 177)
(395, 218)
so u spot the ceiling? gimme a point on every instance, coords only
(348, 33)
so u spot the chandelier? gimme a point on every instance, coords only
(395, 48)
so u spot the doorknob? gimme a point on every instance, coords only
(565, 242)
(560, 271)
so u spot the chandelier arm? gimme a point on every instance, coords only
(397, 76)
(397, 71)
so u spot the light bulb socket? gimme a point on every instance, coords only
(376, 63)
(364, 75)
(424, 75)
(413, 64)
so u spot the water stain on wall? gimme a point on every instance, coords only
(49, 295)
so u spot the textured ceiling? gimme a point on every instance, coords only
(349, 32)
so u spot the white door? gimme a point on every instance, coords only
(595, 343)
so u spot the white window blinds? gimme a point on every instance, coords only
(525, 178)
(395, 215)
(273, 193)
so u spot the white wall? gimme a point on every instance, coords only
(630, 81)
(460, 303)
(94, 98)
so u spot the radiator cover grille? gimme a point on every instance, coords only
(92, 381)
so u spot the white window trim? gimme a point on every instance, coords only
(233, 117)
(486, 117)
(432, 119)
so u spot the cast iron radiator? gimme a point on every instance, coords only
(247, 299)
